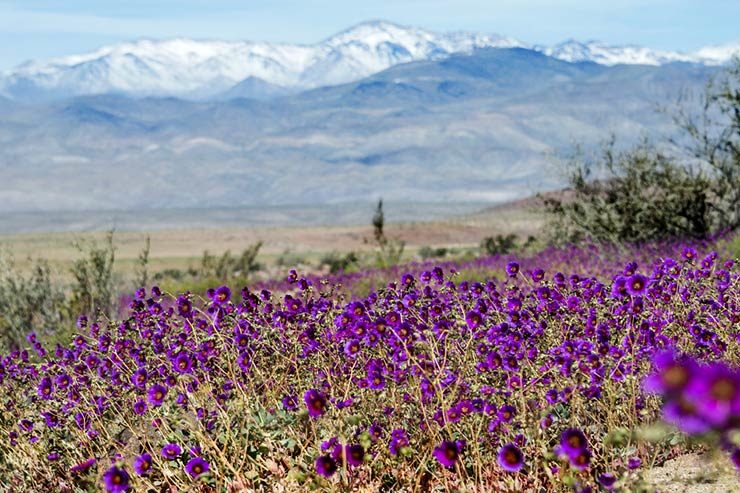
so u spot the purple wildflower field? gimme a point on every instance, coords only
(548, 373)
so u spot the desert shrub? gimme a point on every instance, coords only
(645, 194)
(503, 245)
(640, 195)
(711, 136)
(227, 265)
(427, 252)
(174, 274)
(290, 259)
(499, 244)
(29, 302)
(337, 262)
(93, 288)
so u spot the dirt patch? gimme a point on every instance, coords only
(695, 473)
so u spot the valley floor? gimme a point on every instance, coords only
(182, 248)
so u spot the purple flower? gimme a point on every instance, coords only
(63, 381)
(637, 285)
(315, 402)
(221, 295)
(351, 348)
(182, 363)
(156, 394)
(672, 374)
(143, 464)
(326, 466)
(51, 419)
(375, 431)
(399, 440)
(580, 460)
(171, 451)
(354, 454)
(447, 453)
(511, 458)
(506, 413)
(376, 381)
(196, 467)
(139, 378)
(140, 407)
(573, 441)
(184, 307)
(683, 413)
(116, 480)
(83, 466)
(473, 319)
(290, 402)
(716, 394)
(46, 388)
(512, 269)
(607, 480)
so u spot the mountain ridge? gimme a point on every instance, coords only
(477, 127)
(209, 69)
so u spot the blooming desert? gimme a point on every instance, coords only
(568, 370)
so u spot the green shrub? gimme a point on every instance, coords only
(499, 244)
(338, 262)
(28, 302)
(645, 194)
(93, 290)
(289, 259)
(427, 252)
(227, 266)
(640, 195)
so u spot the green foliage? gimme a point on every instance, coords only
(338, 262)
(28, 302)
(502, 245)
(427, 252)
(93, 289)
(733, 247)
(499, 244)
(640, 195)
(289, 259)
(174, 274)
(644, 194)
(714, 141)
(227, 266)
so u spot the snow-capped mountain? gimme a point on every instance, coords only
(184, 67)
(597, 52)
(201, 69)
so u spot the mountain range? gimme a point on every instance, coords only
(425, 118)
(203, 70)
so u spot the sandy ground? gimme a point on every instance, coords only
(695, 473)
(180, 248)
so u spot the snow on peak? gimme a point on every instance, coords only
(192, 68)
(597, 52)
(719, 54)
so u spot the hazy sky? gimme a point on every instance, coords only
(32, 29)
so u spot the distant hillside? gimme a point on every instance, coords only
(472, 127)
